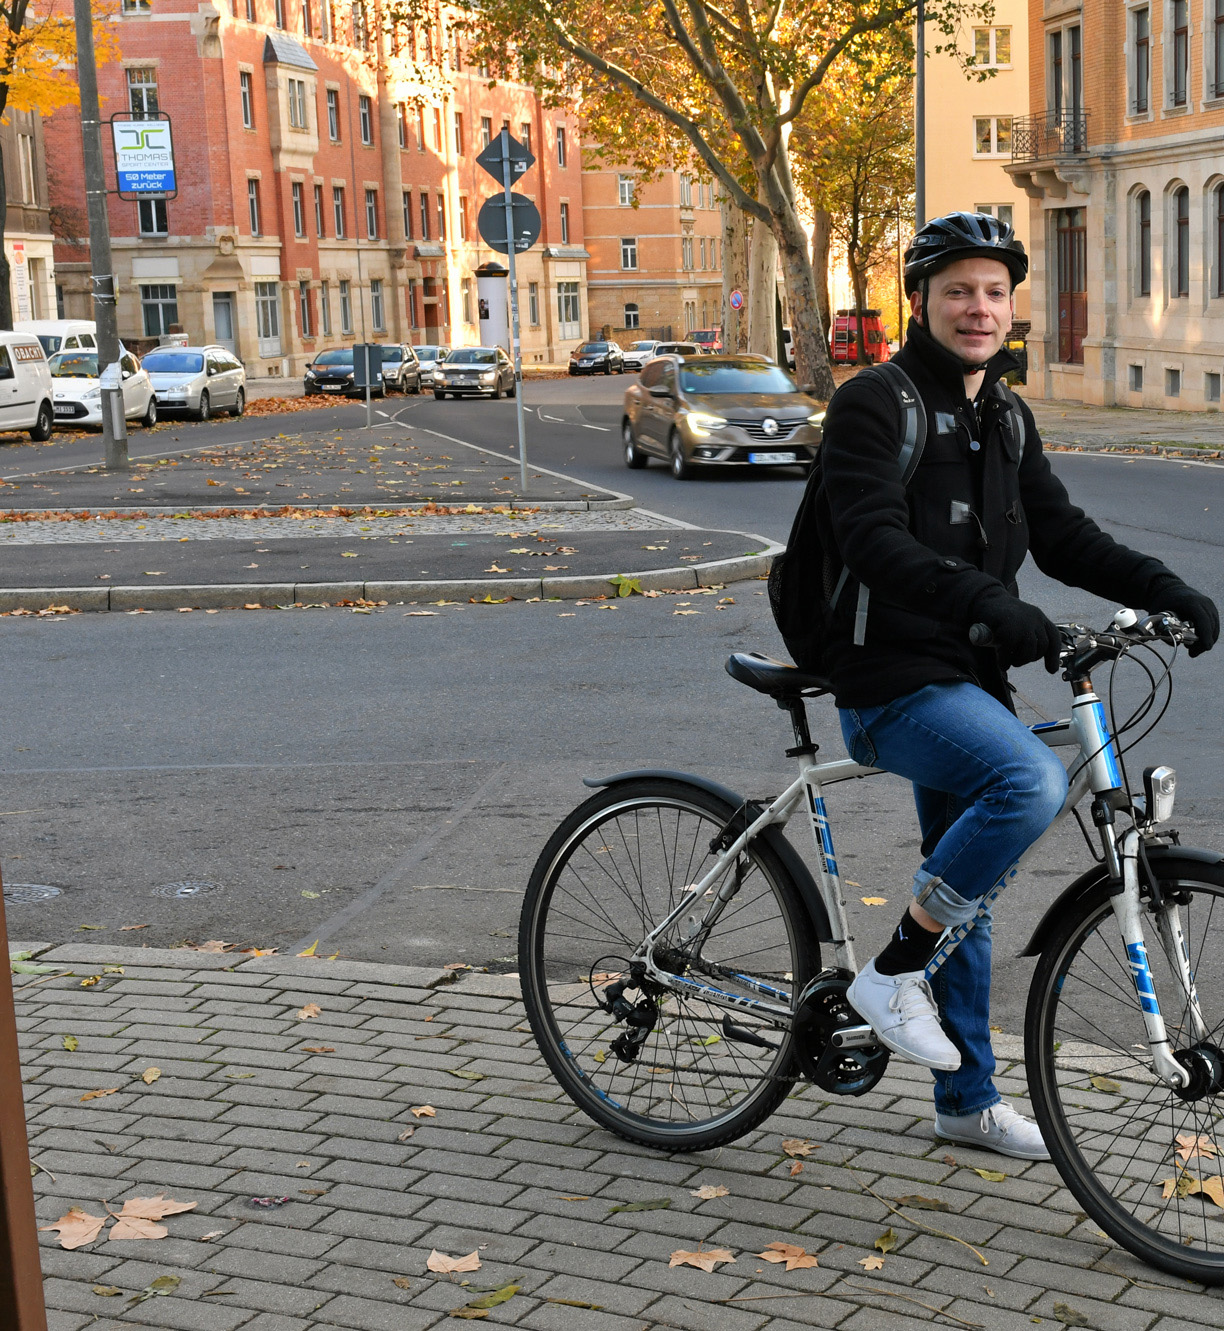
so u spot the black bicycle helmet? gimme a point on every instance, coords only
(943, 240)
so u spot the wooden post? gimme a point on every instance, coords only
(21, 1294)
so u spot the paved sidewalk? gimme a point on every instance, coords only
(246, 1106)
(1196, 434)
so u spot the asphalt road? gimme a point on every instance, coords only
(384, 781)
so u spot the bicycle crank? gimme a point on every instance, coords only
(834, 1048)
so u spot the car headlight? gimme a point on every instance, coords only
(439, 377)
(488, 376)
(701, 423)
(310, 374)
(816, 418)
(90, 393)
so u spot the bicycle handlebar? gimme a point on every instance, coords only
(1159, 627)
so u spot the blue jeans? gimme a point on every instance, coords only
(985, 788)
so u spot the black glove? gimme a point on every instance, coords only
(1192, 607)
(1021, 632)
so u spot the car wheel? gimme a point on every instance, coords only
(681, 467)
(239, 403)
(149, 419)
(416, 386)
(438, 396)
(634, 457)
(43, 425)
(607, 367)
(512, 390)
(204, 411)
(499, 391)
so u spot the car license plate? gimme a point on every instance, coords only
(64, 410)
(771, 458)
(332, 388)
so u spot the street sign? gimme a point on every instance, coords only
(491, 223)
(144, 156)
(503, 146)
(737, 300)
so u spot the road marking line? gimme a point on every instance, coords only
(604, 429)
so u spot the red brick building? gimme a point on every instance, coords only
(327, 184)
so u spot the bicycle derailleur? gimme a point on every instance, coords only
(639, 1018)
(834, 1047)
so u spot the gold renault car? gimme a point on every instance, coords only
(718, 411)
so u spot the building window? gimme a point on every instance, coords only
(1181, 50)
(441, 217)
(299, 210)
(525, 127)
(437, 126)
(307, 19)
(560, 145)
(1143, 223)
(304, 309)
(280, 13)
(420, 130)
(1217, 47)
(624, 190)
(25, 154)
(333, 115)
(992, 136)
(701, 246)
(1141, 27)
(631, 316)
(318, 207)
(568, 313)
(250, 11)
(253, 205)
(1071, 241)
(1211, 386)
(267, 310)
(690, 315)
(565, 232)
(465, 295)
(325, 307)
(136, 7)
(376, 304)
(142, 93)
(406, 204)
(629, 257)
(152, 213)
(365, 119)
(297, 104)
(1181, 242)
(463, 217)
(1217, 196)
(325, 21)
(338, 210)
(686, 252)
(486, 131)
(458, 134)
(991, 46)
(686, 192)
(361, 26)
(1134, 378)
(533, 304)
(1172, 383)
(159, 307)
(401, 124)
(371, 202)
(410, 297)
(346, 308)
(246, 92)
(424, 215)
(1056, 72)
(1003, 211)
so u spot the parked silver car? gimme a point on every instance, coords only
(477, 370)
(199, 380)
(401, 371)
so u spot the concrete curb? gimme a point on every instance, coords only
(184, 512)
(1172, 452)
(268, 595)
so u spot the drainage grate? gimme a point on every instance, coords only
(27, 894)
(184, 890)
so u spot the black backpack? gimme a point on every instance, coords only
(808, 578)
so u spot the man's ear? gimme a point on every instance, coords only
(915, 303)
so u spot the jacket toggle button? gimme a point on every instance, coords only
(929, 589)
(950, 563)
(974, 446)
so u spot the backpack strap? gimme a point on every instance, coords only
(1014, 415)
(913, 441)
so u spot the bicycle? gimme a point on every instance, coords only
(670, 955)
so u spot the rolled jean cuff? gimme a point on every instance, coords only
(941, 902)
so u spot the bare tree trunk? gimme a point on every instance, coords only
(762, 291)
(812, 366)
(735, 275)
(821, 239)
(6, 290)
(858, 280)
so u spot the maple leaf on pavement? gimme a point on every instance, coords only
(77, 1228)
(795, 1257)
(706, 1259)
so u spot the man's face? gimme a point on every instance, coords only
(969, 307)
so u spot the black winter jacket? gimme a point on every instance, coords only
(925, 571)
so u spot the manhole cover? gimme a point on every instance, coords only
(181, 890)
(27, 893)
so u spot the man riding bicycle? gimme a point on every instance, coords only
(915, 697)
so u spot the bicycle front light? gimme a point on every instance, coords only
(1159, 788)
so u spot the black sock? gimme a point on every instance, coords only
(909, 949)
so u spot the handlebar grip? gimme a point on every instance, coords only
(980, 635)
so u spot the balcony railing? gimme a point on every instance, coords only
(1054, 134)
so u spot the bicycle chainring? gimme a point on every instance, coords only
(822, 1009)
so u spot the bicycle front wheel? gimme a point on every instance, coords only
(1142, 1159)
(679, 1078)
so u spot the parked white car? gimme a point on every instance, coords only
(201, 380)
(61, 334)
(25, 387)
(78, 394)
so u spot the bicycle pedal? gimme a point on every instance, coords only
(834, 1048)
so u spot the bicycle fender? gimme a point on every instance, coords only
(778, 843)
(1097, 879)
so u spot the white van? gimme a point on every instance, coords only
(25, 386)
(61, 334)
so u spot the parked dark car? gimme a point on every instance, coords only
(597, 358)
(401, 370)
(332, 372)
(481, 371)
(718, 411)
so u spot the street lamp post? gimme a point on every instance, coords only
(919, 118)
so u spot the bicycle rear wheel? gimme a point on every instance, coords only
(1142, 1159)
(613, 870)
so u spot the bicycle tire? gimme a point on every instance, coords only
(1112, 1127)
(614, 868)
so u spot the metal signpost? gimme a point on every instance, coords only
(505, 159)
(367, 360)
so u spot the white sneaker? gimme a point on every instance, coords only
(901, 1010)
(999, 1128)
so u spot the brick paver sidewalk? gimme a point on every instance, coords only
(507, 1168)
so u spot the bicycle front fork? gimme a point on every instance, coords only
(1173, 943)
